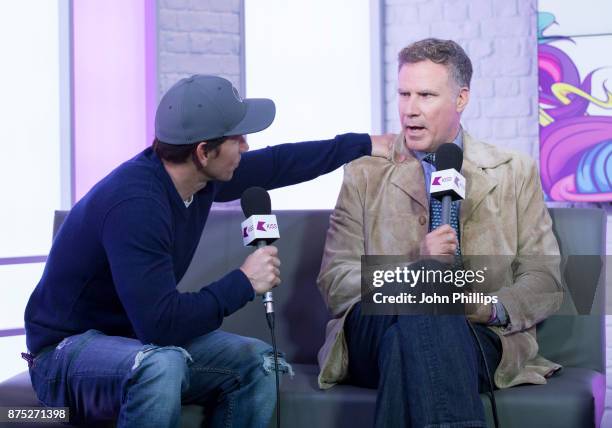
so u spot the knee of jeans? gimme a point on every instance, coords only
(161, 362)
(263, 354)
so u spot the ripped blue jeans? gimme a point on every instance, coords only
(102, 377)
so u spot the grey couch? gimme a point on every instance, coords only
(573, 398)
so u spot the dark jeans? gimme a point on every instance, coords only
(106, 377)
(427, 368)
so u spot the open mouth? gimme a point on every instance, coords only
(415, 131)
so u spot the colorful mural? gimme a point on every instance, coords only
(575, 124)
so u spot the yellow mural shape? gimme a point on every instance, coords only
(561, 90)
(545, 118)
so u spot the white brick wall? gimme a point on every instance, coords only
(198, 36)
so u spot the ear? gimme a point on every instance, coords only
(203, 157)
(462, 99)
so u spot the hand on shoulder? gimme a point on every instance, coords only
(382, 145)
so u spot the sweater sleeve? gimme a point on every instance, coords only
(137, 238)
(287, 164)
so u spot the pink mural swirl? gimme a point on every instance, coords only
(575, 147)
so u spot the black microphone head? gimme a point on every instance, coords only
(449, 156)
(255, 201)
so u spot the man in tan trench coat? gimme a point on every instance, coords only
(427, 369)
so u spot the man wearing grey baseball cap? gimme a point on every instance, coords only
(108, 333)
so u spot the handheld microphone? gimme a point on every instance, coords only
(260, 227)
(447, 184)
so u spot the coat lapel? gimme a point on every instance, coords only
(477, 187)
(408, 175)
(478, 157)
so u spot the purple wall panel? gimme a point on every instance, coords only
(114, 81)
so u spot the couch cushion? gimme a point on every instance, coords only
(17, 391)
(579, 341)
(570, 399)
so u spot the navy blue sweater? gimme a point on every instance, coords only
(117, 258)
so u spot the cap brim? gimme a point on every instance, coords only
(259, 115)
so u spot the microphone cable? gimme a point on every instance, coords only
(491, 393)
(270, 320)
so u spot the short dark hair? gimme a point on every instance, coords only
(445, 52)
(180, 153)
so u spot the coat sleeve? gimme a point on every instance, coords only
(537, 290)
(340, 277)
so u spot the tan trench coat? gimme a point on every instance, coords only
(383, 209)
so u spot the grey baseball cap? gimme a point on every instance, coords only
(202, 107)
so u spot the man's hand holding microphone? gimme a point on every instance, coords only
(447, 185)
(441, 241)
(262, 269)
